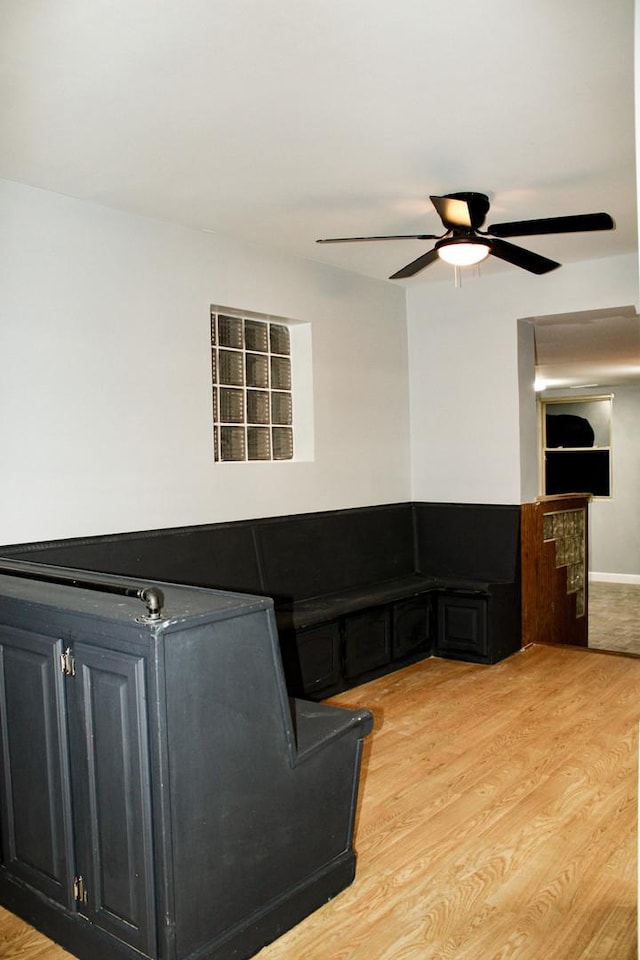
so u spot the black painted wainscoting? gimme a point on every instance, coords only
(357, 592)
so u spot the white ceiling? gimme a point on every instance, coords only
(284, 121)
(588, 348)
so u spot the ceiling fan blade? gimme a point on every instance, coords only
(520, 257)
(416, 265)
(576, 224)
(406, 236)
(452, 211)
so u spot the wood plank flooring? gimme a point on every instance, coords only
(497, 818)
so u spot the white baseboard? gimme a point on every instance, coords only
(615, 577)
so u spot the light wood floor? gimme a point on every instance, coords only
(497, 818)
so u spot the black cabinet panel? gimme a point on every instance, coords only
(318, 658)
(323, 659)
(112, 790)
(160, 793)
(411, 627)
(462, 626)
(36, 836)
(367, 641)
(469, 541)
(311, 555)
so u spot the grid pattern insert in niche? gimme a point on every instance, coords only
(566, 529)
(252, 401)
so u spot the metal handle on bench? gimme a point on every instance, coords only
(152, 597)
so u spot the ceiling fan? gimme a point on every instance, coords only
(463, 243)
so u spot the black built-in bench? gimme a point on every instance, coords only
(357, 592)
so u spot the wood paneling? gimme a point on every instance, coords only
(549, 611)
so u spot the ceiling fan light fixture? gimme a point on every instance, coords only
(462, 216)
(462, 251)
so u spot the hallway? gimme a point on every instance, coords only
(614, 617)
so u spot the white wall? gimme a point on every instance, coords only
(473, 436)
(105, 414)
(105, 392)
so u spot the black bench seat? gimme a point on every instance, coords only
(357, 592)
(298, 614)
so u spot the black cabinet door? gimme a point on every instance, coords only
(318, 659)
(411, 634)
(112, 793)
(367, 641)
(35, 799)
(462, 626)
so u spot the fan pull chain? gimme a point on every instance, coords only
(474, 271)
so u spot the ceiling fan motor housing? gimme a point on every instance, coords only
(477, 205)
